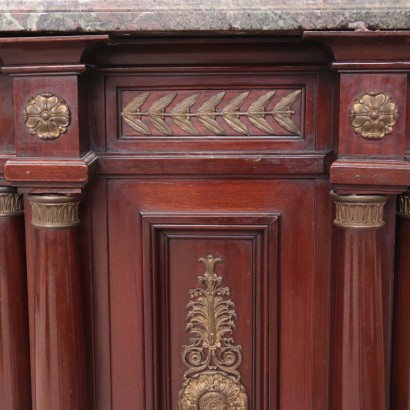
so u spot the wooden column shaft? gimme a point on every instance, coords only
(358, 362)
(400, 385)
(15, 387)
(59, 365)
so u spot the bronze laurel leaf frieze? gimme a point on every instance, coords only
(201, 113)
(212, 380)
(373, 115)
(46, 116)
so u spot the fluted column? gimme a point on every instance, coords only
(58, 335)
(400, 378)
(357, 355)
(15, 390)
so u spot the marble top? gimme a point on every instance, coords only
(187, 16)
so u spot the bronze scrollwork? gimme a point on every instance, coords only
(212, 380)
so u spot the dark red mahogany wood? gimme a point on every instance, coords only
(357, 373)
(15, 387)
(47, 50)
(58, 343)
(364, 45)
(375, 175)
(311, 340)
(400, 390)
(352, 87)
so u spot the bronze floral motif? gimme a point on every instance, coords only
(213, 391)
(47, 116)
(373, 115)
(212, 379)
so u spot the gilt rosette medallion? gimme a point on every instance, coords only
(214, 391)
(373, 115)
(46, 116)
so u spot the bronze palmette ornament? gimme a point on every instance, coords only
(212, 380)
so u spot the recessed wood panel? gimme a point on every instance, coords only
(385, 114)
(247, 246)
(218, 111)
(199, 113)
(157, 231)
(29, 145)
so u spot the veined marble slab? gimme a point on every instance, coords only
(228, 16)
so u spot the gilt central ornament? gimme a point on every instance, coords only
(212, 381)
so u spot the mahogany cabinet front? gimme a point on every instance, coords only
(179, 236)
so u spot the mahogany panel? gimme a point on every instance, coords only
(387, 244)
(86, 263)
(364, 45)
(371, 173)
(40, 170)
(400, 386)
(321, 305)
(7, 137)
(407, 142)
(101, 301)
(247, 246)
(15, 386)
(48, 49)
(29, 145)
(268, 165)
(324, 118)
(294, 200)
(354, 86)
(204, 52)
(122, 90)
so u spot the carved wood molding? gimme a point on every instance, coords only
(11, 203)
(54, 211)
(212, 378)
(182, 114)
(359, 211)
